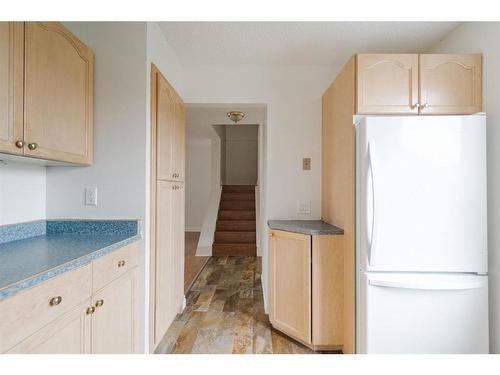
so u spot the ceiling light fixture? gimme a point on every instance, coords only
(235, 116)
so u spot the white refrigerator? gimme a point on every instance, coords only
(421, 235)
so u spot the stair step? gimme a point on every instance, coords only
(238, 196)
(238, 188)
(237, 205)
(236, 215)
(236, 225)
(234, 237)
(230, 249)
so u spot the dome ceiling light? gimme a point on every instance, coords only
(235, 116)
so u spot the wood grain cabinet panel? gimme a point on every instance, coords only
(115, 319)
(58, 94)
(451, 84)
(179, 140)
(69, 334)
(290, 283)
(165, 128)
(387, 83)
(11, 86)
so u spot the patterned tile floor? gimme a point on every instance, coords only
(225, 314)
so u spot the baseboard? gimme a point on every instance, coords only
(204, 251)
(192, 229)
(264, 294)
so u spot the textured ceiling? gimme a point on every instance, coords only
(296, 43)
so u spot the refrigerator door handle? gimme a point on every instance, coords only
(476, 284)
(373, 233)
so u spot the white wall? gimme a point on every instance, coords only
(484, 37)
(292, 130)
(22, 192)
(241, 155)
(198, 181)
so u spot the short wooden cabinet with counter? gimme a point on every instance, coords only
(91, 309)
(306, 287)
(46, 92)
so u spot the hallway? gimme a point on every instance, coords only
(225, 314)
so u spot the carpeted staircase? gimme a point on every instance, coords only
(235, 231)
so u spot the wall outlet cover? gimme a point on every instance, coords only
(306, 164)
(91, 196)
(304, 207)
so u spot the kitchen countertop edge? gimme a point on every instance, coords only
(19, 286)
(306, 227)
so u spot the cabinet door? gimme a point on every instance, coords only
(58, 94)
(165, 129)
(387, 84)
(179, 237)
(290, 283)
(451, 84)
(115, 319)
(165, 306)
(68, 334)
(179, 140)
(11, 86)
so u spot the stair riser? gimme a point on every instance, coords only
(236, 215)
(238, 197)
(237, 205)
(234, 250)
(236, 225)
(238, 188)
(235, 237)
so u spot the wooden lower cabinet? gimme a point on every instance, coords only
(115, 319)
(69, 334)
(82, 322)
(290, 284)
(306, 288)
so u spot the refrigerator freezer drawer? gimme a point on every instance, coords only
(422, 313)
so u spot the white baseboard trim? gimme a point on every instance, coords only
(192, 229)
(204, 251)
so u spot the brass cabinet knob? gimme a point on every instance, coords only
(99, 303)
(32, 146)
(19, 144)
(121, 263)
(90, 310)
(55, 301)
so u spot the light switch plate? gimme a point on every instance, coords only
(91, 196)
(306, 164)
(304, 207)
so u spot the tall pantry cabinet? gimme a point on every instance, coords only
(167, 205)
(383, 84)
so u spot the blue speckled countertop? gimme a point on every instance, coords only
(34, 252)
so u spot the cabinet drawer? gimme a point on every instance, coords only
(29, 311)
(113, 265)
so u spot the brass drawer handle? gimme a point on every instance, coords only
(55, 301)
(90, 310)
(19, 144)
(99, 303)
(121, 263)
(32, 146)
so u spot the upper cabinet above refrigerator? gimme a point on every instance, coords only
(46, 93)
(414, 84)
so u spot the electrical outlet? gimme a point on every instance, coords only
(91, 196)
(306, 164)
(304, 207)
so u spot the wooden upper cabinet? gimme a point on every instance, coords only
(58, 94)
(170, 127)
(179, 141)
(450, 84)
(290, 283)
(387, 83)
(11, 86)
(165, 128)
